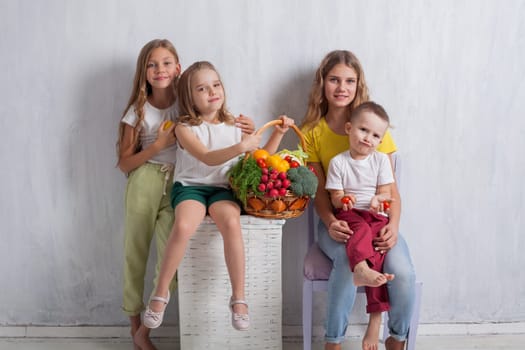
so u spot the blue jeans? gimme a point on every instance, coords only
(342, 292)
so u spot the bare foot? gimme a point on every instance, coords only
(135, 325)
(365, 276)
(392, 344)
(371, 338)
(141, 339)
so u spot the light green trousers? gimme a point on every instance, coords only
(148, 214)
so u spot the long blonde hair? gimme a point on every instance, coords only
(188, 114)
(142, 89)
(317, 104)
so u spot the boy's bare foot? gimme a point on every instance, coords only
(141, 339)
(371, 338)
(365, 276)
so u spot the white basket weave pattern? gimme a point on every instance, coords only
(204, 289)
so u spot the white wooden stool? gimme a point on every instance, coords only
(204, 288)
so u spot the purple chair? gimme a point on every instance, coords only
(317, 268)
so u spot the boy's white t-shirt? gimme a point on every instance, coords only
(153, 118)
(192, 172)
(359, 177)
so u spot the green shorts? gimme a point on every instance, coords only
(207, 195)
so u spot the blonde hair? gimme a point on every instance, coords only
(317, 104)
(142, 89)
(188, 113)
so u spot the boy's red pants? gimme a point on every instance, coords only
(366, 226)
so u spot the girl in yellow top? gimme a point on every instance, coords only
(339, 86)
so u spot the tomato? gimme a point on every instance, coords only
(288, 158)
(345, 200)
(294, 164)
(260, 153)
(261, 163)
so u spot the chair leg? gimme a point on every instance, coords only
(307, 314)
(414, 321)
(385, 326)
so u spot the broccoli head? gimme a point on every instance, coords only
(303, 181)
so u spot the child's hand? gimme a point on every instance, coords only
(380, 203)
(287, 122)
(250, 142)
(245, 124)
(166, 134)
(348, 202)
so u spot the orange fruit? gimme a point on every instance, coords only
(167, 125)
(260, 153)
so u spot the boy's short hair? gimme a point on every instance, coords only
(372, 107)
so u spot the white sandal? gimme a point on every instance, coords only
(240, 322)
(154, 319)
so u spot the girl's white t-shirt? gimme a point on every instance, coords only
(359, 177)
(192, 172)
(153, 118)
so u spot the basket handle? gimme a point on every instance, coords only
(279, 122)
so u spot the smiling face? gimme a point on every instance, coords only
(207, 93)
(340, 86)
(162, 68)
(365, 132)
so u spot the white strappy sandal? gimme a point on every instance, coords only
(240, 322)
(154, 319)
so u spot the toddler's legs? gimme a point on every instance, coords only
(226, 215)
(371, 338)
(188, 216)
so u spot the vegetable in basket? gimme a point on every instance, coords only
(245, 176)
(303, 181)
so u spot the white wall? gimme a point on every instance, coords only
(450, 73)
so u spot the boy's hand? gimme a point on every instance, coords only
(245, 124)
(380, 203)
(348, 202)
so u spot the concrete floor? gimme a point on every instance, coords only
(485, 342)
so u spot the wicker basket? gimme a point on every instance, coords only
(281, 207)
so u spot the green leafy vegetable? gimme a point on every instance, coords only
(245, 176)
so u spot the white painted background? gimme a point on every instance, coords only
(450, 73)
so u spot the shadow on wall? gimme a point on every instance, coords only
(97, 190)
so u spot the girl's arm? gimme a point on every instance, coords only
(337, 229)
(278, 133)
(245, 124)
(189, 141)
(129, 160)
